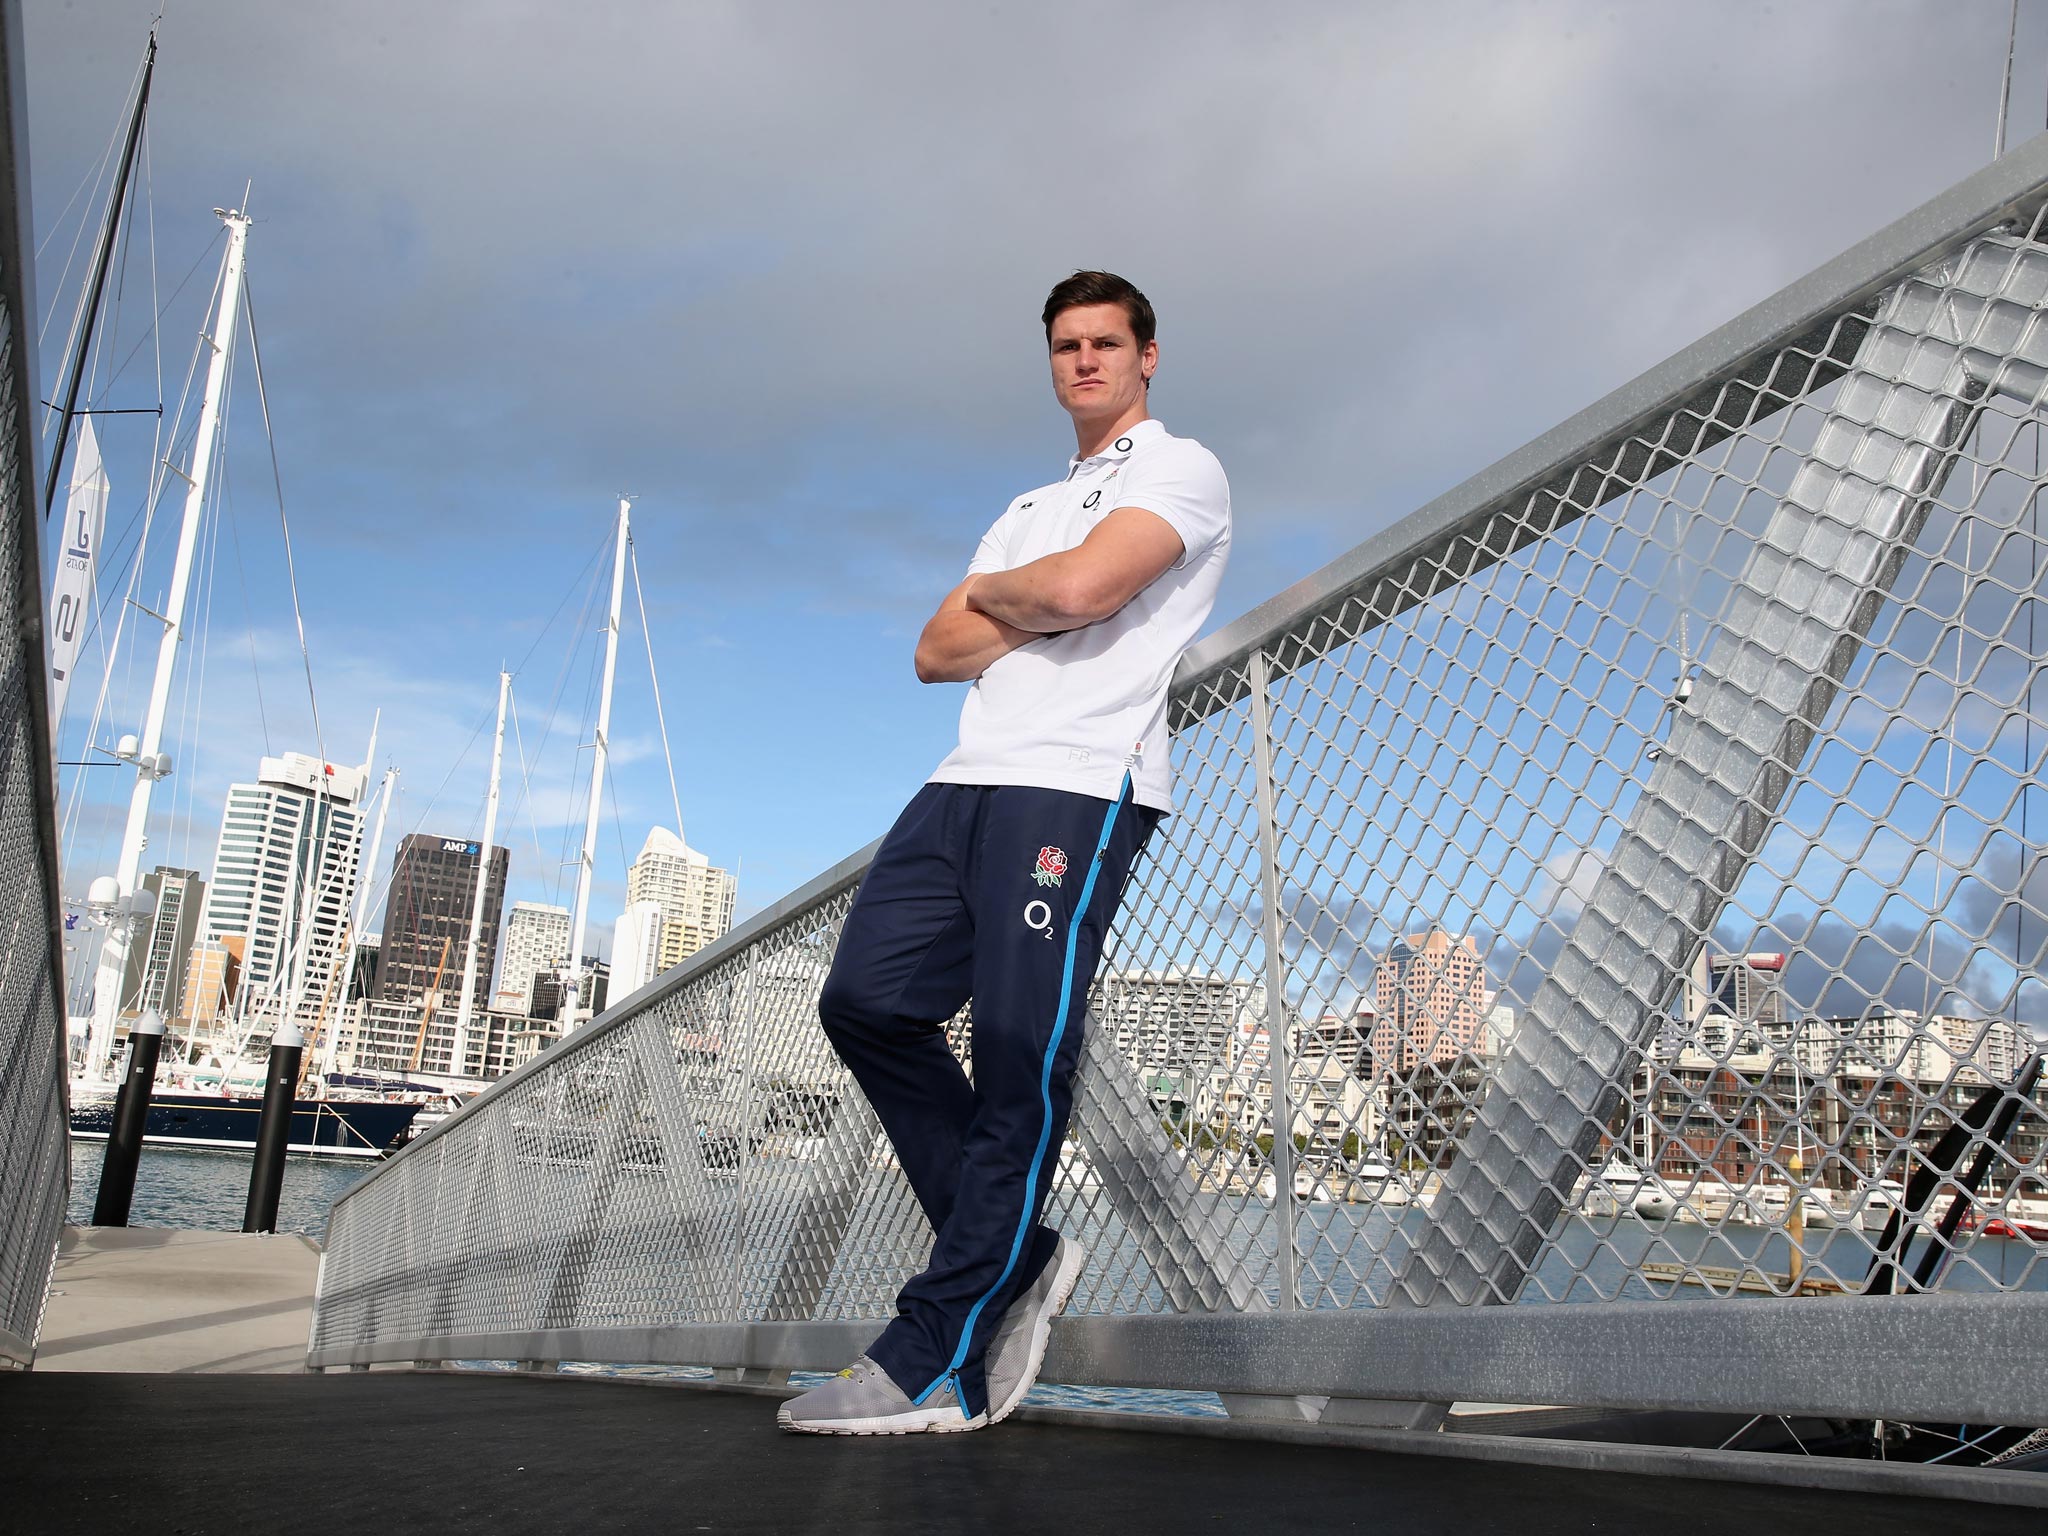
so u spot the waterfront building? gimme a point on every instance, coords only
(636, 946)
(695, 899)
(1176, 1027)
(155, 977)
(547, 990)
(211, 972)
(1496, 1029)
(284, 876)
(536, 944)
(402, 1037)
(426, 919)
(1849, 1093)
(1333, 1110)
(1730, 1005)
(362, 981)
(1431, 999)
(1344, 1039)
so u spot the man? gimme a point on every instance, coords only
(1000, 879)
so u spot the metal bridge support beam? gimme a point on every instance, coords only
(828, 1206)
(1792, 627)
(1182, 1232)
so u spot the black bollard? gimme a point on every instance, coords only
(131, 1114)
(274, 1131)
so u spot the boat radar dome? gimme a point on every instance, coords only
(103, 892)
(127, 748)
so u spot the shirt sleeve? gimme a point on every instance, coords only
(1184, 484)
(992, 554)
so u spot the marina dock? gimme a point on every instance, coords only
(147, 1299)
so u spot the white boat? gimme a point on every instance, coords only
(1872, 1206)
(1375, 1180)
(1620, 1188)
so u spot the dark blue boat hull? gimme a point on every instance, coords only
(325, 1127)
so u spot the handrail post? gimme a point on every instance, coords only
(1279, 1055)
(744, 1152)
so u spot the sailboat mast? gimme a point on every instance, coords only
(103, 252)
(465, 1010)
(362, 916)
(582, 990)
(114, 948)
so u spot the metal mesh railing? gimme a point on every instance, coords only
(1616, 884)
(34, 1150)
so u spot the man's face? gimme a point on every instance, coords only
(1098, 368)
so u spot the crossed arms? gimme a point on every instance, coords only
(988, 616)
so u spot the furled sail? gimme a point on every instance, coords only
(85, 516)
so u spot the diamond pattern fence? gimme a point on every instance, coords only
(1619, 883)
(35, 1165)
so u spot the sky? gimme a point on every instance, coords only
(775, 270)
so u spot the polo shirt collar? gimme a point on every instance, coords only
(1122, 447)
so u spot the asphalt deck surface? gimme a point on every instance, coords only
(385, 1453)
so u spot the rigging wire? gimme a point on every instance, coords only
(284, 523)
(93, 178)
(107, 337)
(153, 332)
(90, 179)
(195, 678)
(525, 780)
(577, 636)
(156, 311)
(242, 572)
(647, 634)
(579, 800)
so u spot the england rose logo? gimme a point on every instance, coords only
(1052, 863)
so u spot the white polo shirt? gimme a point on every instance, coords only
(1074, 711)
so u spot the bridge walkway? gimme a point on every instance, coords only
(397, 1451)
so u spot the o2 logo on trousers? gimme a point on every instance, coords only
(1038, 918)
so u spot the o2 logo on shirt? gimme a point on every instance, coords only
(1094, 499)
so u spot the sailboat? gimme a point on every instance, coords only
(190, 1110)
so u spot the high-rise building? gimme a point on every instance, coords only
(547, 991)
(536, 943)
(155, 977)
(696, 900)
(362, 981)
(426, 919)
(284, 875)
(1175, 1023)
(211, 973)
(1431, 997)
(1346, 1040)
(636, 946)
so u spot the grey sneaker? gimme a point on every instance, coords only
(1018, 1349)
(862, 1400)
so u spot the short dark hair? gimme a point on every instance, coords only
(1085, 288)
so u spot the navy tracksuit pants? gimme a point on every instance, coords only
(1001, 894)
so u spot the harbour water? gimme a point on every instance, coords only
(206, 1191)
